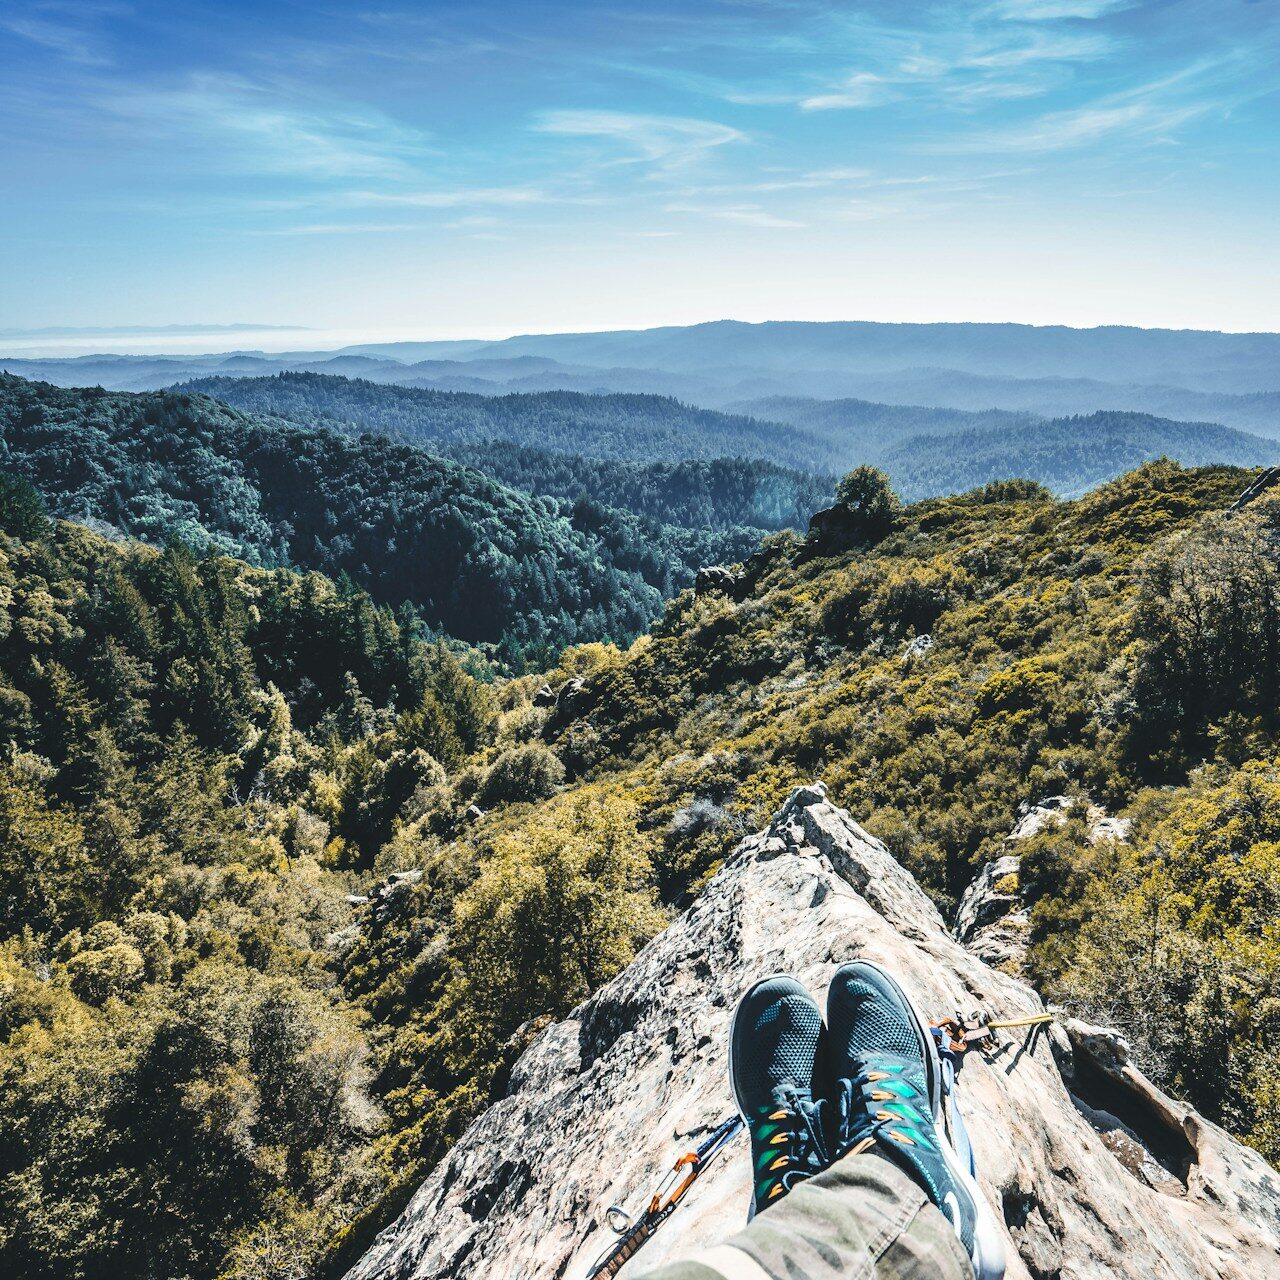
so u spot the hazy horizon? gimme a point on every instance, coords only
(166, 340)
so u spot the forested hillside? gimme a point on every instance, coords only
(476, 559)
(177, 1063)
(925, 451)
(697, 493)
(214, 1062)
(876, 425)
(929, 451)
(632, 427)
(1069, 455)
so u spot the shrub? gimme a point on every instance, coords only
(524, 773)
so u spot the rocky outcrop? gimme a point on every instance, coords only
(1094, 1172)
(916, 649)
(1256, 489)
(1054, 810)
(716, 578)
(1038, 817)
(834, 529)
(991, 920)
(384, 897)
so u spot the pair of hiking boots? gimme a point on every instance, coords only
(869, 1080)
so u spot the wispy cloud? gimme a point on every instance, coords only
(861, 89)
(1157, 108)
(666, 142)
(66, 29)
(258, 127)
(960, 63)
(1052, 10)
(452, 199)
(338, 229)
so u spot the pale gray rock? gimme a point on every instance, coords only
(1077, 1152)
(993, 923)
(1035, 818)
(1054, 810)
(916, 648)
(388, 893)
(715, 578)
(1108, 828)
(983, 902)
(991, 920)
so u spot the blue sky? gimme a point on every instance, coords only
(457, 169)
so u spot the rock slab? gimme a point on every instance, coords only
(1094, 1172)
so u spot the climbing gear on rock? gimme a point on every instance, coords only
(976, 1031)
(888, 1096)
(671, 1190)
(773, 1051)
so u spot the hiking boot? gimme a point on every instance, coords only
(887, 1098)
(773, 1046)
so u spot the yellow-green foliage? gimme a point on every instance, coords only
(557, 909)
(199, 760)
(1179, 942)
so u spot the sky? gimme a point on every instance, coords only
(477, 169)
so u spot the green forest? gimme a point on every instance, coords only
(470, 556)
(640, 452)
(221, 1050)
(712, 493)
(638, 428)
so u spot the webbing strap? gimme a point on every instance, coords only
(1034, 1020)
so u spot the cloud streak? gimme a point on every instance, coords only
(664, 142)
(256, 127)
(453, 199)
(63, 28)
(1158, 108)
(962, 63)
(745, 215)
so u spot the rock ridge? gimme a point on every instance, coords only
(1094, 1171)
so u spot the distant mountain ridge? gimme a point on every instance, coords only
(1183, 357)
(1178, 357)
(1257, 411)
(1069, 455)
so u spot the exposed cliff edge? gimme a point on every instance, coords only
(1095, 1173)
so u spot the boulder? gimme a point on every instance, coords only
(716, 578)
(568, 692)
(992, 920)
(386, 895)
(1108, 828)
(836, 528)
(1035, 818)
(915, 648)
(1094, 1172)
(544, 696)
